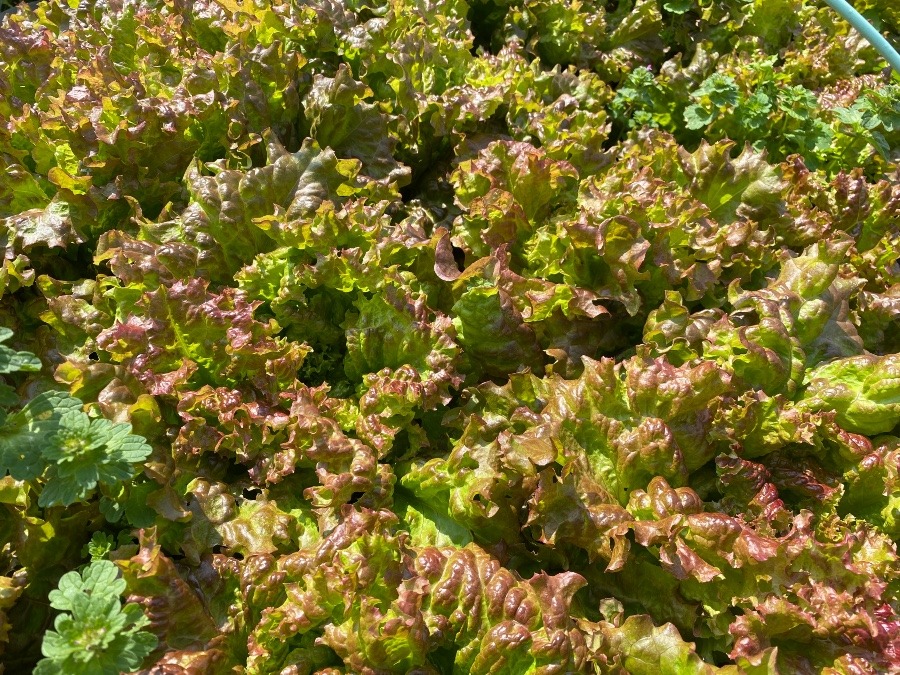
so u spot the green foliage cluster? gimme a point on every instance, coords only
(52, 443)
(449, 336)
(94, 634)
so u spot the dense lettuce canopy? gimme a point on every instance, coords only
(448, 337)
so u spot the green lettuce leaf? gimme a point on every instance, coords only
(861, 390)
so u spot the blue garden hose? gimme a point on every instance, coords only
(866, 29)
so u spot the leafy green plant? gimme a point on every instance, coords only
(94, 634)
(53, 444)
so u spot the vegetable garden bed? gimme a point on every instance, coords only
(426, 336)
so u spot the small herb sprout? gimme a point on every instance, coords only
(52, 443)
(95, 634)
(86, 451)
